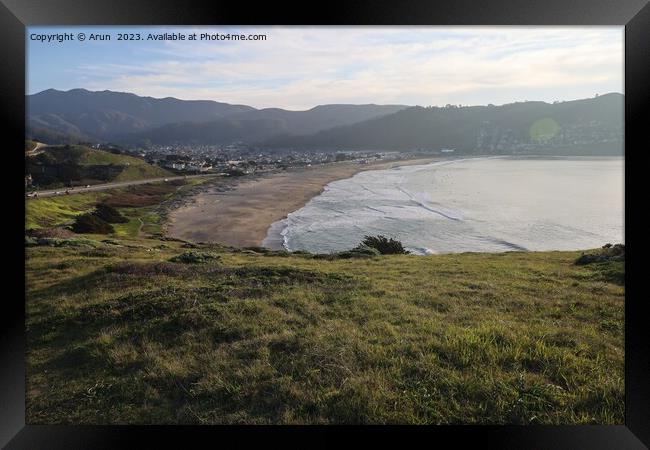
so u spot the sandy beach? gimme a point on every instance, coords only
(241, 217)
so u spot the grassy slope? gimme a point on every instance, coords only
(137, 203)
(30, 145)
(57, 211)
(116, 334)
(133, 168)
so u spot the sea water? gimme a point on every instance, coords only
(469, 205)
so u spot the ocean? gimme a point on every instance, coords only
(491, 204)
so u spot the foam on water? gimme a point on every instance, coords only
(479, 204)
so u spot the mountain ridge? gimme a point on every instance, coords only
(80, 114)
(596, 122)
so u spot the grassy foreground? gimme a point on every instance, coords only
(117, 333)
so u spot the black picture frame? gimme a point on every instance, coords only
(15, 15)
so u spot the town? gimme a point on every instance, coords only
(241, 159)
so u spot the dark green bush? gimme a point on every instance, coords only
(194, 257)
(109, 214)
(608, 252)
(90, 223)
(385, 246)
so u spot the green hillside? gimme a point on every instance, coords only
(134, 328)
(579, 127)
(30, 145)
(84, 165)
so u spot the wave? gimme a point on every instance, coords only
(465, 206)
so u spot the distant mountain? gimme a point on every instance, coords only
(319, 118)
(259, 125)
(80, 115)
(98, 116)
(590, 126)
(223, 131)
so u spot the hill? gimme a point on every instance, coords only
(59, 165)
(79, 115)
(259, 125)
(589, 126)
(97, 116)
(126, 328)
(319, 118)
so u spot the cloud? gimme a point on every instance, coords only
(300, 67)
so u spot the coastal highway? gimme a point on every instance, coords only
(105, 186)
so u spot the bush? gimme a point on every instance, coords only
(194, 258)
(257, 249)
(383, 245)
(56, 242)
(361, 251)
(109, 214)
(235, 172)
(60, 233)
(90, 223)
(608, 252)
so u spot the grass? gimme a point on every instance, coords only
(131, 328)
(140, 204)
(49, 212)
(93, 164)
(117, 333)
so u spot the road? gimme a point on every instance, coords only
(105, 186)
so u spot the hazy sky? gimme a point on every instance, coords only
(301, 67)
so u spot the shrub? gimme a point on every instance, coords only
(56, 242)
(361, 251)
(235, 172)
(60, 233)
(111, 242)
(194, 257)
(90, 223)
(384, 245)
(608, 252)
(109, 214)
(257, 249)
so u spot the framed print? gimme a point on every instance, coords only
(402, 219)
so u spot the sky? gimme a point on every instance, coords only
(298, 68)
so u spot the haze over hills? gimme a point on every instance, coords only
(592, 125)
(588, 126)
(82, 115)
(102, 115)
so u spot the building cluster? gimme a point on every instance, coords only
(244, 159)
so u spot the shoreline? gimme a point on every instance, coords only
(242, 215)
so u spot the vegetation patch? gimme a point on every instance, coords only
(90, 223)
(48, 212)
(109, 214)
(608, 252)
(56, 165)
(384, 245)
(57, 242)
(120, 334)
(142, 195)
(194, 257)
(59, 233)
